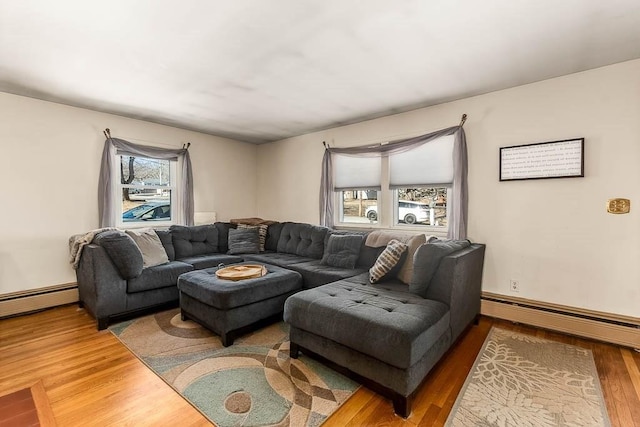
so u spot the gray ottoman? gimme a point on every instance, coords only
(227, 307)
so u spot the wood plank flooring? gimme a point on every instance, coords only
(91, 379)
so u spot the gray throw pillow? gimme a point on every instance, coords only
(342, 250)
(427, 260)
(244, 241)
(262, 232)
(123, 251)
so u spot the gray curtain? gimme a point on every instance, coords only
(457, 205)
(113, 146)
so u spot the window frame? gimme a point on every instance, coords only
(173, 187)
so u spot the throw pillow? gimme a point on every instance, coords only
(123, 251)
(244, 241)
(389, 262)
(262, 232)
(342, 250)
(406, 271)
(150, 245)
(429, 256)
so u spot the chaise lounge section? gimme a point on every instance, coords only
(390, 335)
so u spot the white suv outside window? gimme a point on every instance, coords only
(409, 212)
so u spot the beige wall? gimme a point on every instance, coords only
(553, 235)
(49, 176)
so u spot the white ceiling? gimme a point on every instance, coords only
(264, 70)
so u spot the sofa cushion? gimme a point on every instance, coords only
(315, 273)
(389, 262)
(223, 235)
(427, 260)
(204, 286)
(381, 238)
(194, 240)
(123, 251)
(397, 328)
(277, 258)
(406, 271)
(273, 235)
(244, 241)
(302, 239)
(368, 256)
(262, 233)
(160, 276)
(167, 242)
(213, 260)
(150, 246)
(342, 250)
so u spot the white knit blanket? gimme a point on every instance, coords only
(78, 241)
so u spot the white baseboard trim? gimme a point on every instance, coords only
(608, 327)
(37, 299)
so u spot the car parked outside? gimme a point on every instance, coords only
(150, 211)
(409, 212)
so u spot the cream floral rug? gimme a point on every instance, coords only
(521, 380)
(254, 382)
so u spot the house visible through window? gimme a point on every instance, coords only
(148, 189)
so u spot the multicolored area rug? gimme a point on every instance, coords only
(522, 380)
(251, 383)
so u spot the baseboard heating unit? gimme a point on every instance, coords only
(23, 302)
(613, 328)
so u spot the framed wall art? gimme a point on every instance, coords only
(554, 159)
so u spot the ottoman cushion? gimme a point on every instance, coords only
(206, 287)
(397, 328)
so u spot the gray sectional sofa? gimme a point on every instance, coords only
(390, 334)
(113, 283)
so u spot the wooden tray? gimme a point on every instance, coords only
(241, 272)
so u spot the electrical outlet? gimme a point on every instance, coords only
(514, 285)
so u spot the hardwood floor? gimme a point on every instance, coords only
(91, 379)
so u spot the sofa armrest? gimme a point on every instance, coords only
(458, 283)
(101, 288)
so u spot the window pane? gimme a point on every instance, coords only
(422, 206)
(143, 171)
(359, 206)
(145, 207)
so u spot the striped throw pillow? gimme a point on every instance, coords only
(262, 232)
(389, 261)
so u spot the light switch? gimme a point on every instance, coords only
(618, 206)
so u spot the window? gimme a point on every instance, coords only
(405, 189)
(147, 189)
(359, 206)
(418, 207)
(421, 206)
